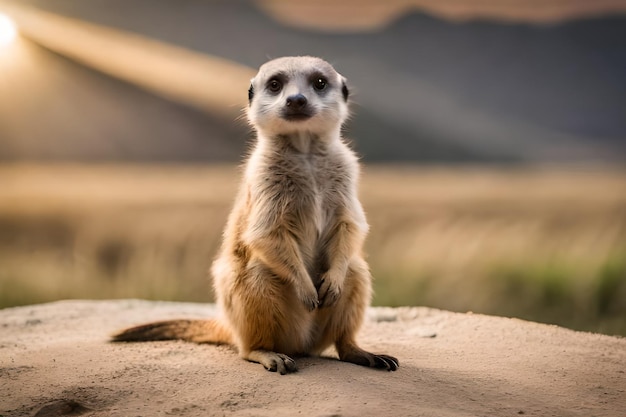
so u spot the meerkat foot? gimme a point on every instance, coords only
(272, 361)
(358, 356)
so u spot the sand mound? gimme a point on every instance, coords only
(55, 360)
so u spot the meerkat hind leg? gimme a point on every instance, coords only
(272, 361)
(349, 312)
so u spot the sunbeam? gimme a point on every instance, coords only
(8, 30)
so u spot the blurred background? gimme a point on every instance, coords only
(493, 136)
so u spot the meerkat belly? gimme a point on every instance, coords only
(319, 218)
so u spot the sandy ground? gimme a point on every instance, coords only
(55, 360)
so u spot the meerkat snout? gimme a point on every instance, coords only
(297, 101)
(296, 108)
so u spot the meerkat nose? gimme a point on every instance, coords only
(297, 101)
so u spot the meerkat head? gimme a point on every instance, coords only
(297, 94)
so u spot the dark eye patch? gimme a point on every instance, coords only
(275, 83)
(318, 81)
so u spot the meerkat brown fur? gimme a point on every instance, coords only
(290, 278)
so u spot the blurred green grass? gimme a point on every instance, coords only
(545, 244)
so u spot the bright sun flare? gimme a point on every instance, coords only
(8, 31)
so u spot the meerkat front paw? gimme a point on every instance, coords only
(329, 289)
(309, 297)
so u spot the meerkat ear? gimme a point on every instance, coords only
(344, 90)
(250, 93)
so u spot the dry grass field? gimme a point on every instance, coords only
(543, 243)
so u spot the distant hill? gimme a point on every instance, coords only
(361, 15)
(52, 109)
(425, 89)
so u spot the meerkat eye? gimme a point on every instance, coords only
(320, 83)
(274, 85)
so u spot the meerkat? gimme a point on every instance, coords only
(290, 279)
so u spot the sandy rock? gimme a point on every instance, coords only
(55, 359)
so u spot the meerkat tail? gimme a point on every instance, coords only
(197, 331)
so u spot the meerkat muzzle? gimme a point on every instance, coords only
(297, 108)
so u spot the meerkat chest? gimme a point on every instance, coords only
(327, 186)
(310, 188)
